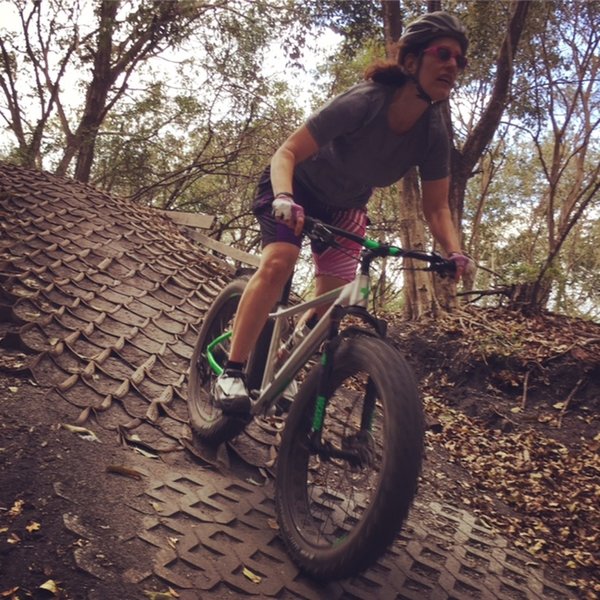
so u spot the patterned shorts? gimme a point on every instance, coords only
(338, 262)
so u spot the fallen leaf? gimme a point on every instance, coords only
(144, 452)
(13, 539)
(161, 595)
(13, 389)
(125, 471)
(16, 509)
(251, 576)
(10, 592)
(33, 526)
(50, 586)
(537, 546)
(82, 432)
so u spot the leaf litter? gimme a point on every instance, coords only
(512, 400)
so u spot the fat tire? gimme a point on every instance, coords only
(403, 433)
(210, 424)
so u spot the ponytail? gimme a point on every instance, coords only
(386, 72)
(390, 72)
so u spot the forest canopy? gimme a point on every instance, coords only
(180, 104)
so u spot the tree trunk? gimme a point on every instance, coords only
(97, 93)
(392, 25)
(114, 61)
(464, 162)
(419, 297)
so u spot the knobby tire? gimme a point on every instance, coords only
(331, 529)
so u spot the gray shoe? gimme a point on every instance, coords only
(230, 393)
(284, 403)
(291, 390)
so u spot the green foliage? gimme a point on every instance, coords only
(360, 22)
(199, 117)
(340, 71)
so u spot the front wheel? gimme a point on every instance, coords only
(342, 494)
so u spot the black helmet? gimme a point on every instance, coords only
(433, 25)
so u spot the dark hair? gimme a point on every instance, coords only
(390, 71)
(386, 71)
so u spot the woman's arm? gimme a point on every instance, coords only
(298, 147)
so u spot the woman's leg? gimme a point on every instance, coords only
(262, 292)
(336, 266)
(323, 284)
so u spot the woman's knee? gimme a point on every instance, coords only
(275, 272)
(277, 264)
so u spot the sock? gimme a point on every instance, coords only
(312, 321)
(234, 366)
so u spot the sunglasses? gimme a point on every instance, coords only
(444, 54)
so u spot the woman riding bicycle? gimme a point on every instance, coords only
(367, 137)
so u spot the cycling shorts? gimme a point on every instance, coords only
(339, 261)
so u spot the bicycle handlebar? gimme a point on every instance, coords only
(322, 232)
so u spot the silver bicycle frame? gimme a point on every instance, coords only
(355, 293)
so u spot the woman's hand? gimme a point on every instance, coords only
(286, 210)
(465, 266)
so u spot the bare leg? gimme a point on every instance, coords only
(263, 290)
(323, 284)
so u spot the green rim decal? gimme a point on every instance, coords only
(317, 423)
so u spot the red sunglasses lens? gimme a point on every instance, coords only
(444, 54)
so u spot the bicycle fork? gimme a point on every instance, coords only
(356, 449)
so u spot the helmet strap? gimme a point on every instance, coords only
(421, 93)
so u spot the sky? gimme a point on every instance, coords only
(275, 65)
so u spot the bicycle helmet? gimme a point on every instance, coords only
(433, 25)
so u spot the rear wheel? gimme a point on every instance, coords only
(342, 496)
(207, 420)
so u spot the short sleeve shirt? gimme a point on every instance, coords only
(358, 151)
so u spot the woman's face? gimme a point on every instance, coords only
(442, 61)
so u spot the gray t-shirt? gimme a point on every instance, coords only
(358, 151)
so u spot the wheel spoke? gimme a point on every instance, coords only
(338, 488)
(208, 421)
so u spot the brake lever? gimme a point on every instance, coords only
(320, 233)
(442, 266)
